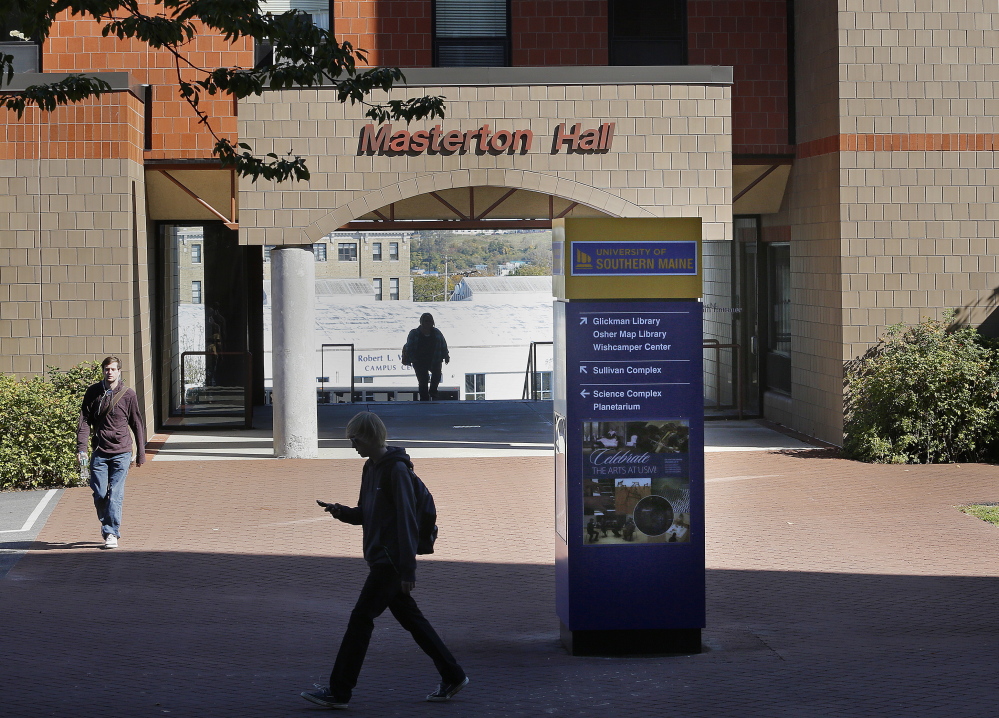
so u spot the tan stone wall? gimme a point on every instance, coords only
(670, 156)
(891, 201)
(816, 299)
(919, 227)
(71, 290)
(817, 69)
(810, 220)
(73, 278)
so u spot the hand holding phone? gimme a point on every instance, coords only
(333, 509)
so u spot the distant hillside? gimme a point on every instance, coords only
(467, 250)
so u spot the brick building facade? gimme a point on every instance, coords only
(841, 156)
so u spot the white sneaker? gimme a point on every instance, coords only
(110, 541)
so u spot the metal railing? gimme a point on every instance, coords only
(718, 346)
(247, 386)
(531, 389)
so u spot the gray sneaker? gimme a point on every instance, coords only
(447, 691)
(110, 541)
(323, 697)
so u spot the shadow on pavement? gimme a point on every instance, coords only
(58, 546)
(136, 633)
(823, 453)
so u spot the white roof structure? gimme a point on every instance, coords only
(349, 291)
(493, 289)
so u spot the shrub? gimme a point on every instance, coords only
(38, 420)
(75, 380)
(923, 394)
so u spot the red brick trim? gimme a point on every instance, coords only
(958, 142)
(777, 233)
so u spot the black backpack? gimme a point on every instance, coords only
(426, 515)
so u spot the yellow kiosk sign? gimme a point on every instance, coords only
(660, 258)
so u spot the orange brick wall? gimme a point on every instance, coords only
(559, 32)
(396, 33)
(76, 45)
(109, 127)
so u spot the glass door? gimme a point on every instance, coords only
(205, 370)
(747, 297)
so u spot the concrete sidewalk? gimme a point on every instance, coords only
(834, 589)
(452, 429)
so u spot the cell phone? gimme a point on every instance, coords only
(324, 504)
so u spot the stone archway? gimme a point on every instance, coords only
(599, 201)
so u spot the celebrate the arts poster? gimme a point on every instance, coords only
(636, 482)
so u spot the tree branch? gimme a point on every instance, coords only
(308, 56)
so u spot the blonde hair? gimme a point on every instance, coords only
(367, 426)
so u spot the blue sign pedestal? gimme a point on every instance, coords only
(629, 424)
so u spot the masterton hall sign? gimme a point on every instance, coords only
(481, 140)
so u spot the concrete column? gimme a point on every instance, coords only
(293, 321)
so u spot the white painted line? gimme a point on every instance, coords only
(742, 478)
(298, 521)
(635, 312)
(34, 514)
(642, 383)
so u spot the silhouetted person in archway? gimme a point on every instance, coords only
(426, 350)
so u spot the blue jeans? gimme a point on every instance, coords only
(107, 481)
(383, 589)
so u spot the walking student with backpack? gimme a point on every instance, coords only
(396, 514)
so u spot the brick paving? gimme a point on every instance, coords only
(834, 589)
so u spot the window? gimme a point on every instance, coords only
(195, 292)
(471, 33)
(319, 249)
(779, 319)
(263, 52)
(394, 251)
(393, 289)
(542, 385)
(376, 251)
(475, 387)
(780, 298)
(347, 251)
(378, 288)
(648, 32)
(24, 50)
(195, 254)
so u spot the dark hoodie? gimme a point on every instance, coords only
(386, 511)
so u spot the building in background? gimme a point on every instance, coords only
(380, 258)
(840, 154)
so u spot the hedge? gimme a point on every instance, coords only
(38, 420)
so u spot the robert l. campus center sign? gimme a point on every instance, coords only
(574, 138)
